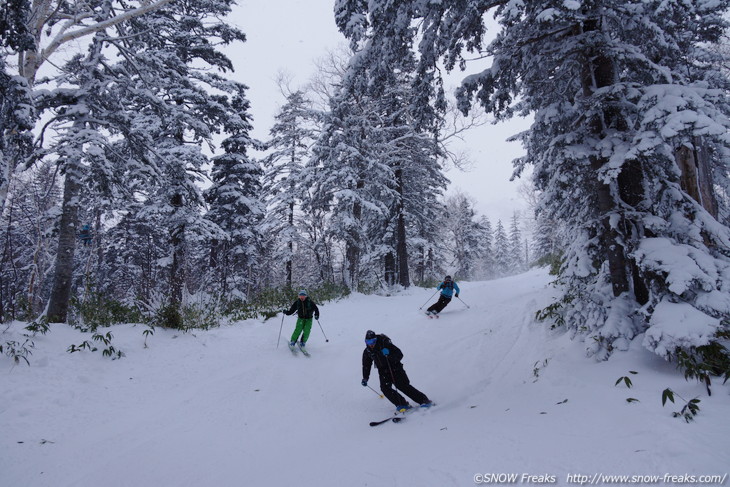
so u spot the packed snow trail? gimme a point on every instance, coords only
(226, 407)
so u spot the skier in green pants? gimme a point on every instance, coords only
(305, 309)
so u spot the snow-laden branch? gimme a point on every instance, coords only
(65, 36)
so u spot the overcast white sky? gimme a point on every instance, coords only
(289, 35)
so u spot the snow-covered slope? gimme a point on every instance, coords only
(226, 407)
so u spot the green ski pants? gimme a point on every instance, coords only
(304, 324)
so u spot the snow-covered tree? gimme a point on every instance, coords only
(147, 115)
(292, 136)
(382, 180)
(464, 236)
(28, 248)
(17, 115)
(501, 251)
(486, 265)
(403, 135)
(80, 145)
(417, 179)
(235, 204)
(36, 32)
(613, 177)
(180, 109)
(547, 244)
(516, 245)
(350, 183)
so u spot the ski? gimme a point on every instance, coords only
(293, 350)
(395, 419)
(401, 416)
(304, 351)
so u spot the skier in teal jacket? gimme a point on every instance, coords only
(448, 288)
(305, 309)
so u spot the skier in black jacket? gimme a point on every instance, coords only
(387, 358)
(305, 308)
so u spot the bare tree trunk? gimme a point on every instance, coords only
(218, 260)
(389, 265)
(420, 265)
(214, 253)
(401, 246)
(402, 252)
(599, 72)
(291, 248)
(177, 269)
(57, 311)
(353, 247)
(98, 242)
(696, 175)
(429, 264)
(609, 236)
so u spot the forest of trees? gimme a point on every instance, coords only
(130, 179)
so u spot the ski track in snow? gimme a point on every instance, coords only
(226, 407)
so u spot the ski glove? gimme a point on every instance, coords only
(316, 317)
(457, 295)
(385, 352)
(364, 383)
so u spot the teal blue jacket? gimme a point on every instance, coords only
(447, 289)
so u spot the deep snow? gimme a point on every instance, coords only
(226, 407)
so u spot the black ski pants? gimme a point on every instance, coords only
(400, 380)
(440, 304)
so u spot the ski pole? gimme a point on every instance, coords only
(376, 392)
(457, 297)
(392, 375)
(320, 327)
(429, 299)
(280, 328)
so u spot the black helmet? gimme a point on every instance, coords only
(369, 334)
(447, 278)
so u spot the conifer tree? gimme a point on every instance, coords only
(516, 246)
(403, 135)
(501, 251)
(292, 136)
(350, 183)
(464, 236)
(487, 262)
(234, 204)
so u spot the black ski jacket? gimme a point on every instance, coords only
(304, 309)
(385, 364)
